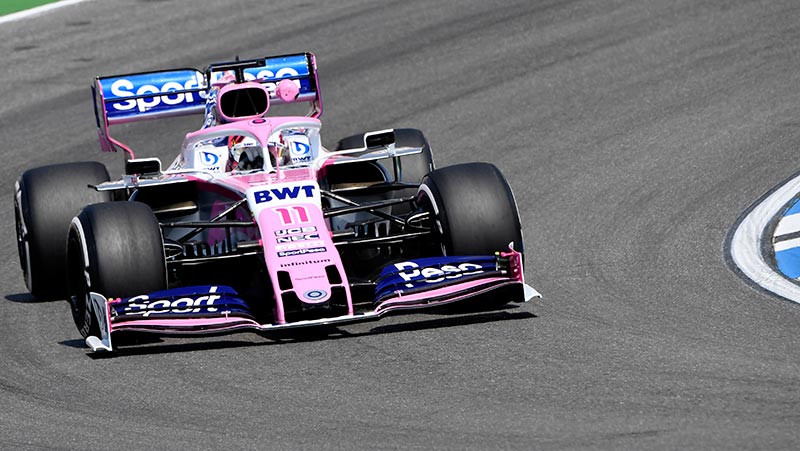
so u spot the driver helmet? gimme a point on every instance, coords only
(245, 153)
(279, 153)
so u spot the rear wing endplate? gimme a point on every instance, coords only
(120, 99)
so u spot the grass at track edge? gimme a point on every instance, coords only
(13, 6)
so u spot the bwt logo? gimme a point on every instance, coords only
(209, 158)
(301, 152)
(124, 88)
(300, 148)
(411, 272)
(284, 193)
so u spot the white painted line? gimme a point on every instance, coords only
(788, 244)
(38, 10)
(746, 243)
(788, 224)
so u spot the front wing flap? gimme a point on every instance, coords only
(410, 285)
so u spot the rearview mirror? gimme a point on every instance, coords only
(383, 138)
(143, 166)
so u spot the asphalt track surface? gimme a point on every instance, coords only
(634, 134)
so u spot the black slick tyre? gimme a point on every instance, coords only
(473, 209)
(115, 249)
(45, 201)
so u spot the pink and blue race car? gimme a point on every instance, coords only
(255, 225)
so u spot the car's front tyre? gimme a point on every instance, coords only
(473, 209)
(115, 249)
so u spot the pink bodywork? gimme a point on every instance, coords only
(285, 203)
(288, 217)
(301, 214)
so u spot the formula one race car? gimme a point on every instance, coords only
(256, 225)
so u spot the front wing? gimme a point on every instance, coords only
(401, 287)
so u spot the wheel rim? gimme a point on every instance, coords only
(77, 287)
(23, 249)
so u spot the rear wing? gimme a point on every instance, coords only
(120, 99)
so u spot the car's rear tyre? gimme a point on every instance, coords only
(412, 167)
(473, 209)
(45, 201)
(115, 249)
